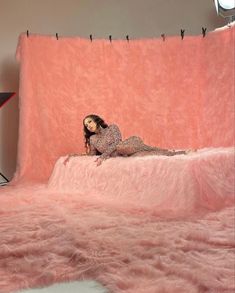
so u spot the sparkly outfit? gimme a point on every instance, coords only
(109, 143)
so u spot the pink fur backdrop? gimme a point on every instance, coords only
(174, 94)
(151, 224)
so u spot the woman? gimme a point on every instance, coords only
(106, 141)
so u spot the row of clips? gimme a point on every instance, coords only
(128, 39)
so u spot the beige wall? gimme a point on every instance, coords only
(137, 18)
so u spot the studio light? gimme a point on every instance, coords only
(226, 8)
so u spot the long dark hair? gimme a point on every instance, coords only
(87, 134)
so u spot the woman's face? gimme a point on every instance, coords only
(90, 124)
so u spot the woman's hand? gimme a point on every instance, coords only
(99, 161)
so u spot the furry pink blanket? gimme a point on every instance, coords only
(52, 237)
(150, 224)
(165, 186)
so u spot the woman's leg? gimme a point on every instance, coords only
(135, 144)
(130, 146)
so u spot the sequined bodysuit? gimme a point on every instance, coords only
(109, 143)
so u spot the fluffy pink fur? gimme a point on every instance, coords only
(164, 186)
(49, 237)
(149, 224)
(173, 94)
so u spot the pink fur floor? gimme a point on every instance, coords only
(55, 232)
(54, 238)
(62, 238)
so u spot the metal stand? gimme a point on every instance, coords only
(4, 97)
(2, 183)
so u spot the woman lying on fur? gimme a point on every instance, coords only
(106, 141)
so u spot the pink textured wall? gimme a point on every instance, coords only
(174, 94)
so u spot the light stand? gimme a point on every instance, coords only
(226, 9)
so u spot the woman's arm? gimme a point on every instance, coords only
(91, 150)
(114, 138)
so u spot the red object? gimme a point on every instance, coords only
(4, 97)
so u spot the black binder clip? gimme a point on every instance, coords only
(204, 31)
(57, 37)
(27, 33)
(127, 38)
(163, 37)
(110, 38)
(182, 34)
(91, 38)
